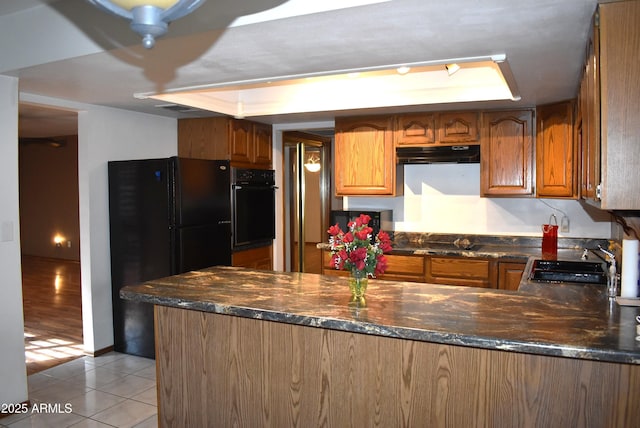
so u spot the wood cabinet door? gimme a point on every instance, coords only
(582, 130)
(263, 147)
(590, 111)
(202, 138)
(556, 172)
(365, 156)
(506, 154)
(240, 141)
(510, 275)
(459, 127)
(415, 129)
(618, 44)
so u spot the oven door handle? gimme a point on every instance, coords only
(239, 186)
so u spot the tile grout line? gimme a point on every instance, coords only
(72, 374)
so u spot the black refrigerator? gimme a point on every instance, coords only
(166, 216)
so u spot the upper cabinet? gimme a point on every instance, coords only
(448, 128)
(609, 103)
(246, 144)
(415, 129)
(556, 153)
(459, 127)
(239, 141)
(365, 157)
(506, 153)
(588, 119)
(262, 144)
(365, 161)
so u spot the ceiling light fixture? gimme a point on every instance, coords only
(452, 68)
(149, 18)
(313, 164)
(403, 70)
(479, 79)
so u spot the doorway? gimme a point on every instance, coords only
(307, 160)
(49, 236)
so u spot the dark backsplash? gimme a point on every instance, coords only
(419, 240)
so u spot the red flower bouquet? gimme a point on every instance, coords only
(354, 251)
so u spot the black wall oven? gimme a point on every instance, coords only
(253, 207)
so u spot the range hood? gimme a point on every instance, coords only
(438, 154)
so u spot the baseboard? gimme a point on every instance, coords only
(100, 351)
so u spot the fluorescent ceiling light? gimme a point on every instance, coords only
(478, 79)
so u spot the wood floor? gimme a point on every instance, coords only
(52, 307)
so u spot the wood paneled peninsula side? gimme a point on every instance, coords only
(241, 347)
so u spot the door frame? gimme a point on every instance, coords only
(293, 204)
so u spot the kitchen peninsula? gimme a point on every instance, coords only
(255, 348)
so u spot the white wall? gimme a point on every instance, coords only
(108, 134)
(13, 372)
(445, 198)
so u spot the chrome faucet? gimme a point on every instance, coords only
(612, 283)
(612, 275)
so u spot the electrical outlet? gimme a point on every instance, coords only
(564, 224)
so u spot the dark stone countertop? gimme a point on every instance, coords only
(568, 320)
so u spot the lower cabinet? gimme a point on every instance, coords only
(467, 271)
(254, 258)
(510, 275)
(447, 270)
(400, 267)
(405, 268)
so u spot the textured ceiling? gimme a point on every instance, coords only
(543, 40)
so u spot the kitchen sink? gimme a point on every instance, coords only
(568, 271)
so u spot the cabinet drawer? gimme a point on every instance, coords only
(404, 268)
(462, 271)
(399, 267)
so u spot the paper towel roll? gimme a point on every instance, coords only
(629, 286)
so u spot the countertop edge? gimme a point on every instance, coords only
(355, 326)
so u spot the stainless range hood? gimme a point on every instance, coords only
(438, 154)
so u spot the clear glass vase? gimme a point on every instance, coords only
(358, 282)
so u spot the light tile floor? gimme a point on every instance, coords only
(112, 390)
